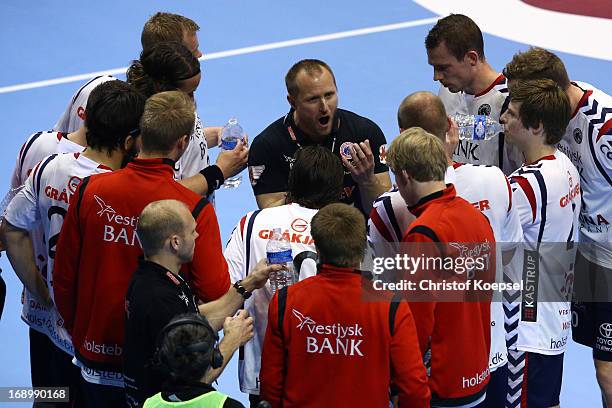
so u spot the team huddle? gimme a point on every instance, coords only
(112, 230)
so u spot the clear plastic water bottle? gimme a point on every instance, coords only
(476, 127)
(278, 251)
(230, 135)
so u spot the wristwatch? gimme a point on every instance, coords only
(243, 292)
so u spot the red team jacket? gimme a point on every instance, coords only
(334, 350)
(98, 251)
(457, 334)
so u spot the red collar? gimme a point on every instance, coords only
(499, 80)
(163, 165)
(439, 196)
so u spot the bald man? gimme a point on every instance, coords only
(167, 233)
(485, 187)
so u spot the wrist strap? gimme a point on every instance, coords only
(214, 177)
(241, 290)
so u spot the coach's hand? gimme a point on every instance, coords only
(361, 164)
(232, 162)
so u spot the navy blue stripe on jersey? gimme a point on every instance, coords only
(602, 171)
(83, 87)
(198, 208)
(544, 195)
(247, 239)
(282, 306)
(424, 230)
(392, 219)
(25, 151)
(40, 171)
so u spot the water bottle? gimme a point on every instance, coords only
(476, 127)
(278, 251)
(230, 135)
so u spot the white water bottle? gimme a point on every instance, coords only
(476, 127)
(278, 251)
(230, 135)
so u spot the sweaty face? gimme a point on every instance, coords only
(448, 70)
(190, 85)
(191, 42)
(315, 103)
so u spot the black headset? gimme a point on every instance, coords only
(216, 358)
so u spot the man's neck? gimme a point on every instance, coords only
(158, 155)
(424, 189)
(536, 152)
(113, 159)
(574, 94)
(484, 77)
(79, 136)
(168, 261)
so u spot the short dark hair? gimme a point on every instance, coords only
(158, 221)
(112, 114)
(339, 232)
(537, 63)
(166, 27)
(542, 101)
(460, 34)
(162, 67)
(316, 177)
(185, 365)
(424, 110)
(167, 117)
(309, 66)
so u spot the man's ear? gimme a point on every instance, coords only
(291, 101)
(538, 130)
(183, 142)
(175, 243)
(471, 57)
(128, 143)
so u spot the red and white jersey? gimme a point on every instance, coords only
(588, 143)
(487, 189)
(43, 203)
(547, 196)
(246, 247)
(195, 158)
(74, 115)
(492, 102)
(37, 147)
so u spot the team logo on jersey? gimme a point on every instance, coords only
(345, 150)
(255, 173)
(299, 225)
(577, 135)
(382, 154)
(81, 112)
(73, 183)
(605, 330)
(484, 109)
(303, 320)
(104, 208)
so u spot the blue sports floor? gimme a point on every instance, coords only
(375, 69)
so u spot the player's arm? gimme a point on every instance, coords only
(273, 363)
(524, 200)
(423, 312)
(216, 311)
(268, 177)
(68, 258)
(407, 369)
(21, 216)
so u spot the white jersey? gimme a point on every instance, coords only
(487, 189)
(194, 159)
(492, 102)
(246, 247)
(547, 197)
(74, 115)
(43, 202)
(588, 143)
